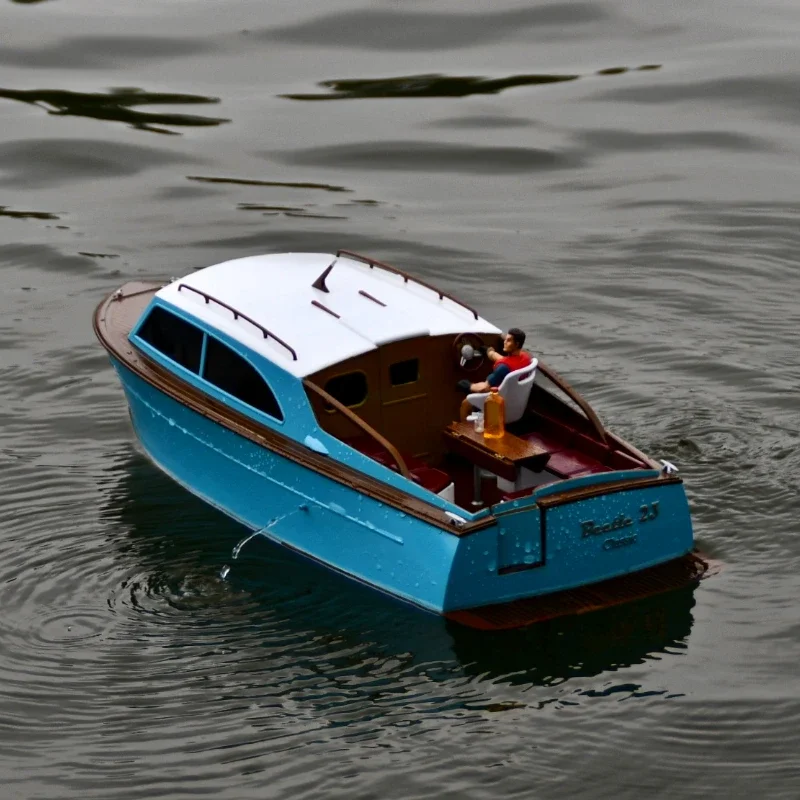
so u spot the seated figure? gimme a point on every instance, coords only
(510, 360)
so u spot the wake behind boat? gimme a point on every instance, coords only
(325, 386)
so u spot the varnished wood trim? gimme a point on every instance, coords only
(358, 422)
(325, 308)
(597, 489)
(638, 453)
(370, 297)
(149, 290)
(114, 338)
(565, 387)
(236, 314)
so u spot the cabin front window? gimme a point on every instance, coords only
(404, 372)
(173, 337)
(349, 389)
(228, 371)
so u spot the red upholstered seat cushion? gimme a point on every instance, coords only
(570, 462)
(620, 460)
(434, 480)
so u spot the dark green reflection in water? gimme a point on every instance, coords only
(118, 105)
(326, 187)
(287, 211)
(623, 70)
(5, 211)
(426, 86)
(441, 85)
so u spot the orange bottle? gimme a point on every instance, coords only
(494, 415)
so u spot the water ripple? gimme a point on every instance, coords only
(93, 52)
(777, 95)
(33, 163)
(431, 157)
(405, 30)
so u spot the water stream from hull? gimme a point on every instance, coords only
(260, 532)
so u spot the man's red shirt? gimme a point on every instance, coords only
(515, 362)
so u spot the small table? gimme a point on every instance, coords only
(503, 456)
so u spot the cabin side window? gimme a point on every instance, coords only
(349, 389)
(404, 372)
(228, 371)
(173, 337)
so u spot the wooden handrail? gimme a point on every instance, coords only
(236, 314)
(548, 372)
(367, 428)
(370, 297)
(621, 443)
(372, 262)
(325, 308)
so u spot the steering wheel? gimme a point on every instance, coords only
(469, 351)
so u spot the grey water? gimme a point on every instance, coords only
(620, 180)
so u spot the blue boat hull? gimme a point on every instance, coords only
(543, 544)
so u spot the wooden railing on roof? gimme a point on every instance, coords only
(236, 314)
(364, 426)
(372, 262)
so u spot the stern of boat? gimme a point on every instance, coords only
(574, 534)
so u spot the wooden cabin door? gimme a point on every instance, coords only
(405, 383)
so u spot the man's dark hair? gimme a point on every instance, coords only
(517, 335)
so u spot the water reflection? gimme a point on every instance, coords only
(286, 211)
(437, 85)
(326, 187)
(580, 645)
(5, 211)
(272, 595)
(118, 105)
(623, 70)
(97, 255)
(426, 86)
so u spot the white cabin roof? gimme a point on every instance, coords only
(276, 292)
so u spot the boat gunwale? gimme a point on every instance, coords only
(598, 489)
(182, 392)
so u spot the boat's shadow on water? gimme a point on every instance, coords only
(175, 539)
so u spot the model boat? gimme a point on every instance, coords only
(313, 397)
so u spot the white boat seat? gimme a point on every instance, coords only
(515, 390)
